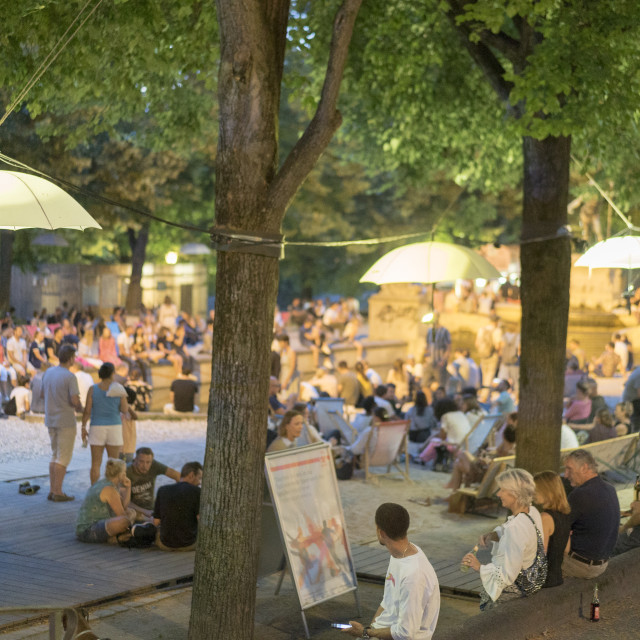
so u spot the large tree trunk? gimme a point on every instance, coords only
(252, 196)
(545, 258)
(138, 243)
(225, 576)
(6, 262)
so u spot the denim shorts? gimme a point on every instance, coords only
(97, 532)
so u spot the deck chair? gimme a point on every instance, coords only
(614, 454)
(480, 432)
(387, 440)
(486, 489)
(324, 407)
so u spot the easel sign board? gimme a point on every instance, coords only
(304, 492)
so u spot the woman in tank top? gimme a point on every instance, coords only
(102, 409)
(556, 522)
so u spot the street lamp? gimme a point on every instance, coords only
(171, 257)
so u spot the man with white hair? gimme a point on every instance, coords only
(595, 515)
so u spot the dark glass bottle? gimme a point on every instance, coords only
(595, 606)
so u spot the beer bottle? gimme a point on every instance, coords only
(465, 567)
(636, 489)
(595, 606)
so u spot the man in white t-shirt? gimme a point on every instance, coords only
(22, 395)
(17, 353)
(411, 601)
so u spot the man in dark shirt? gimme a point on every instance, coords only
(143, 472)
(595, 514)
(183, 394)
(177, 510)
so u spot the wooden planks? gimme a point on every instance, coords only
(42, 563)
(371, 564)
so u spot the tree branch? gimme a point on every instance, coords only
(504, 43)
(326, 120)
(483, 57)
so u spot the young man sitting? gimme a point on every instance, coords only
(143, 472)
(177, 511)
(183, 394)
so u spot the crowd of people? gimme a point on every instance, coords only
(162, 336)
(558, 526)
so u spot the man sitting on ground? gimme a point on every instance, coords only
(177, 510)
(143, 472)
(595, 515)
(411, 602)
(183, 394)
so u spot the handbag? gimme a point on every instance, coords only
(532, 579)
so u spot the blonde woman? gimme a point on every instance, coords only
(556, 522)
(518, 564)
(105, 512)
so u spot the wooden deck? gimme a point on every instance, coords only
(42, 563)
(371, 564)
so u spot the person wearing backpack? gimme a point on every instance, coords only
(509, 350)
(487, 341)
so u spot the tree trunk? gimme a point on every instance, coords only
(545, 258)
(6, 261)
(138, 245)
(225, 575)
(252, 196)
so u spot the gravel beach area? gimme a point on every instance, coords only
(28, 440)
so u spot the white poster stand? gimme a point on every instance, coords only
(304, 491)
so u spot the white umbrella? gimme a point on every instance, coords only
(622, 252)
(28, 202)
(430, 262)
(195, 249)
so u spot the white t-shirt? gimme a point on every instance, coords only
(568, 438)
(125, 343)
(456, 426)
(515, 550)
(16, 348)
(23, 397)
(411, 600)
(85, 382)
(373, 377)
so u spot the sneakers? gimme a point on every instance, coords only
(60, 497)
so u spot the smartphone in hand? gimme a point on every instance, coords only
(340, 625)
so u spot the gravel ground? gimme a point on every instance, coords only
(25, 440)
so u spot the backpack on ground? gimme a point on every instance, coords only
(10, 407)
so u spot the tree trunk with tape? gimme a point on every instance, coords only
(252, 195)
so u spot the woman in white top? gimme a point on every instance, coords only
(454, 426)
(516, 543)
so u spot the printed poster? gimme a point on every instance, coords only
(304, 491)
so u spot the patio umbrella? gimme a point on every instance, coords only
(622, 252)
(430, 262)
(49, 240)
(195, 249)
(28, 202)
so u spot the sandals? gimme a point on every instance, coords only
(27, 489)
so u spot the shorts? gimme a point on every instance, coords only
(110, 435)
(97, 532)
(62, 441)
